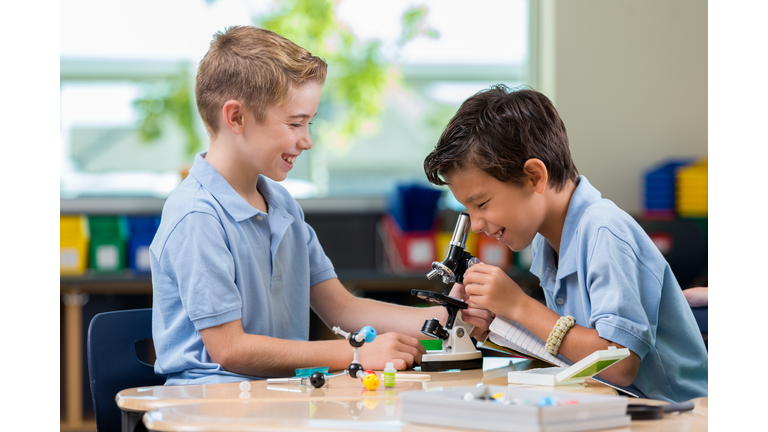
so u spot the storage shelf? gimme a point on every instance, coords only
(138, 205)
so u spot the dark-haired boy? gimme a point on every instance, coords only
(505, 156)
(235, 269)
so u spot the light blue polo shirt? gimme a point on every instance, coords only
(612, 278)
(216, 259)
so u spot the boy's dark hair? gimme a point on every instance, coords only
(497, 130)
(256, 67)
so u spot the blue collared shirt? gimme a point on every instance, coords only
(216, 259)
(612, 278)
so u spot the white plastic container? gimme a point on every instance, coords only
(588, 367)
(389, 374)
(452, 408)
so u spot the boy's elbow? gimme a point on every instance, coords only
(623, 379)
(223, 357)
(222, 342)
(625, 372)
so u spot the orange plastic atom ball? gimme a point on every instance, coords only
(371, 381)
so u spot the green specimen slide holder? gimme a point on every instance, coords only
(589, 366)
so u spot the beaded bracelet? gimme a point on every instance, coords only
(558, 333)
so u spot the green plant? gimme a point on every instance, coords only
(165, 98)
(356, 85)
(358, 77)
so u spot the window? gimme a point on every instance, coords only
(108, 64)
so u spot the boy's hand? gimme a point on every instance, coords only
(397, 348)
(473, 315)
(697, 297)
(489, 287)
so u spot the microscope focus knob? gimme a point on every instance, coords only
(433, 328)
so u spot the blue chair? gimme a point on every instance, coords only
(702, 319)
(114, 366)
(700, 313)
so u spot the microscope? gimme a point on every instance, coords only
(458, 351)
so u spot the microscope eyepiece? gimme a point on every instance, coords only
(452, 268)
(461, 231)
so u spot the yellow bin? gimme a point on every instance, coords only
(73, 244)
(692, 190)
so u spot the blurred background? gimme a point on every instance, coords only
(397, 72)
(628, 78)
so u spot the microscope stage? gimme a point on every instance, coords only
(437, 360)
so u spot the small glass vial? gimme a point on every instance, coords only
(389, 374)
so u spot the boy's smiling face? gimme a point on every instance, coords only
(511, 214)
(274, 144)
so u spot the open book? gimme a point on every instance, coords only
(512, 338)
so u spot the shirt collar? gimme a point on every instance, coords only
(583, 196)
(223, 192)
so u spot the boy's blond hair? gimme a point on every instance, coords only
(256, 67)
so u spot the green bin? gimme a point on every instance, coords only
(108, 241)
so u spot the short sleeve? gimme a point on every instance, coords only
(196, 257)
(622, 292)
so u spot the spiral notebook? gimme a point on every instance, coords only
(512, 338)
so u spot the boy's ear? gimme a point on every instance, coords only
(233, 113)
(537, 174)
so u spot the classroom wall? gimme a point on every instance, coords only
(629, 79)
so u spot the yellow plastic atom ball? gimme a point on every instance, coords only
(371, 381)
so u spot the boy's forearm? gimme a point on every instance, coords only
(386, 317)
(271, 357)
(337, 307)
(578, 342)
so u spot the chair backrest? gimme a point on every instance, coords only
(112, 362)
(702, 314)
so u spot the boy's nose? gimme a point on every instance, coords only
(305, 143)
(476, 224)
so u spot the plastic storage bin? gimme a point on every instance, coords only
(659, 194)
(407, 250)
(108, 241)
(73, 244)
(414, 207)
(692, 190)
(142, 230)
(452, 408)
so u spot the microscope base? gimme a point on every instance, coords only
(433, 362)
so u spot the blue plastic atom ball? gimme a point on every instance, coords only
(369, 332)
(547, 401)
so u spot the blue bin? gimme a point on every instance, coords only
(414, 207)
(659, 185)
(142, 230)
